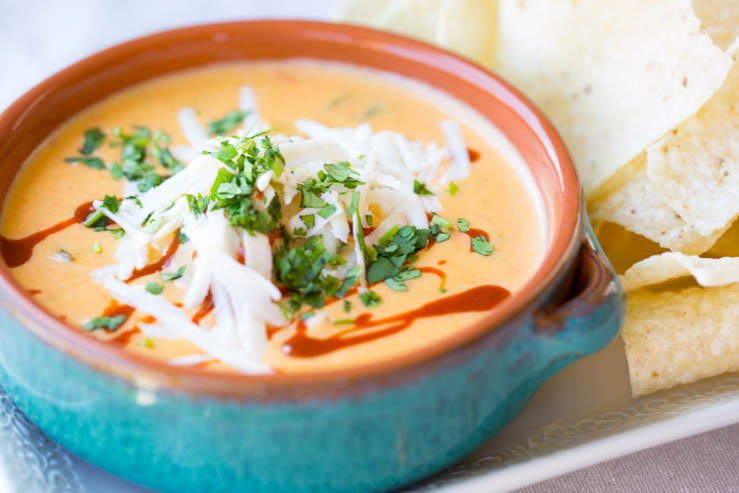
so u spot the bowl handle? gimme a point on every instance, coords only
(591, 306)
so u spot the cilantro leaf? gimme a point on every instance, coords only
(90, 162)
(481, 245)
(441, 222)
(397, 247)
(116, 171)
(309, 220)
(327, 211)
(94, 137)
(198, 204)
(453, 189)
(111, 203)
(154, 287)
(171, 276)
(420, 188)
(108, 323)
(227, 123)
(463, 225)
(370, 299)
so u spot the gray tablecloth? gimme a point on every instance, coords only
(40, 37)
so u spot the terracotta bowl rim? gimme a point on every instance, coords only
(104, 357)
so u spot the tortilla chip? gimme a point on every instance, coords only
(695, 168)
(727, 245)
(614, 76)
(721, 20)
(623, 247)
(708, 272)
(468, 27)
(629, 199)
(677, 337)
(463, 26)
(416, 18)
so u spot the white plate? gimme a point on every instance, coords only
(582, 416)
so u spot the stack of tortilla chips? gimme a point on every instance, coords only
(646, 96)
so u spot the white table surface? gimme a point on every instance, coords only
(39, 37)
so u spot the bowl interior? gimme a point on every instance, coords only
(25, 124)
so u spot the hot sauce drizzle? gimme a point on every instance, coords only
(17, 252)
(437, 272)
(115, 309)
(474, 233)
(205, 308)
(481, 298)
(125, 337)
(159, 264)
(473, 154)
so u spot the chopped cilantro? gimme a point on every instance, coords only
(369, 252)
(347, 306)
(154, 287)
(197, 204)
(147, 342)
(441, 222)
(395, 250)
(182, 237)
(299, 232)
(95, 219)
(389, 234)
(370, 299)
(307, 315)
(94, 137)
(226, 153)
(299, 269)
(171, 276)
(442, 237)
(368, 218)
(96, 248)
(420, 188)
(309, 220)
(117, 233)
(111, 203)
(453, 189)
(481, 245)
(355, 205)
(116, 171)
(108, 323)
(344, 321)
(463, 225)
(90, 162)
(327, 211)
(397, 283)
(227, 123)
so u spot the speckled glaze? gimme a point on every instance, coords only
(369, 429)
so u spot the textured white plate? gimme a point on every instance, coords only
(582, 416)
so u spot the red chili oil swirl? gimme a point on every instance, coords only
(474, 233)
(473, 154)
(159, 264)
(437, 272)
(125, 337)
(18, 252)
(205, 308)
(478, 299)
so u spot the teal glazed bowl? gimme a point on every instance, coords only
(368, 429)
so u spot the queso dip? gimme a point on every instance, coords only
(273, 217)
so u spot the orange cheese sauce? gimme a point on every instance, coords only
(494, 198)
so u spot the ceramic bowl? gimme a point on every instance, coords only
(367, 429)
